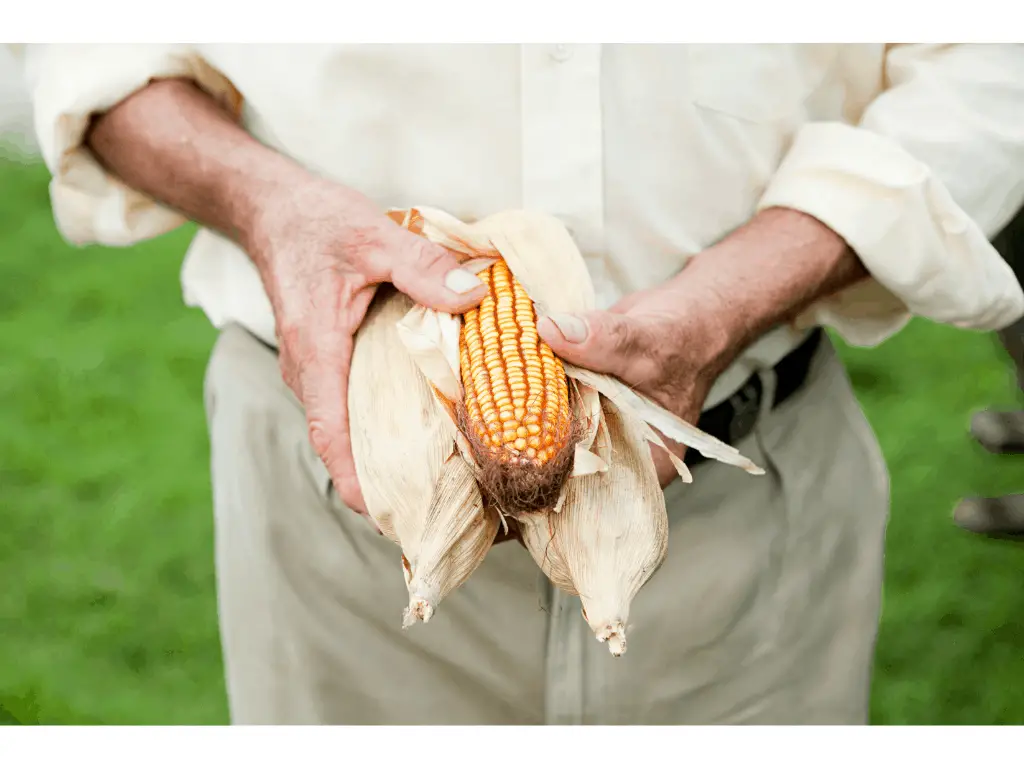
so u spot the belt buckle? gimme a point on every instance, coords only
(746, 405)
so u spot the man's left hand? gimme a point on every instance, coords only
(662, 341)
(672, 342)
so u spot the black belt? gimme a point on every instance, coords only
(734, 419)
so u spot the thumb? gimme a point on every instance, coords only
(605, 342)
(430, 275)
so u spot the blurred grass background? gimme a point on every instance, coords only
(107, 608)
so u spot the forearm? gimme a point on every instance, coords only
(175, 144)
(918, 205)
(765, 273)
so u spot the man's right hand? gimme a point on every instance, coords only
(323, 249)
(320, 248)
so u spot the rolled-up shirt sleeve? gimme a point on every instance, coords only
(69, 85)
(933, 170)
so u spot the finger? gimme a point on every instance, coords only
(351, 495)
(431, 275)
(324, 387)
(605, 342)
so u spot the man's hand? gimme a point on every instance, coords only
(321, 249)
(658, 342)
(672, 342)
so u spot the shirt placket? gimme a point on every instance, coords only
(562, 146)
(563, 175)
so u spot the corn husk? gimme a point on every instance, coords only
(611, 535)
(458, 532)
(417, 488)
(607, 533)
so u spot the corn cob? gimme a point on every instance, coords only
(516, 412)
(517, 396)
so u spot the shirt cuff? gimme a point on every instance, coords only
(924, 254)
(71, 84)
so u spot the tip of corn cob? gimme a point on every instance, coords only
(420, 609)
(518, 486)
(614, 634)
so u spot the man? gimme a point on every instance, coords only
(1001, 431)
(798, 186)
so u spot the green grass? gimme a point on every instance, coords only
(107, 609)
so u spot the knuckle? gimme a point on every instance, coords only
(364, 246)
(423, 258)
(622, 335)
(637, 350)
(646, 372)
(323, 436)
(427, 256)
(319, 437)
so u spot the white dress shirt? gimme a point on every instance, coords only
(913, 153)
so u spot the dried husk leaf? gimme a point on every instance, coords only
(611, 535)
(400, 435)
(653, 415)
(441, 227)
(537, 532)
(457, 534)
(430, 337)
(403, 446)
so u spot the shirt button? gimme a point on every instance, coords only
(561, 53)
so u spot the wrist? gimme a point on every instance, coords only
(768, 271)
(259, 198)
(705, 320)
(293, 222)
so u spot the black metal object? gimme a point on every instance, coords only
(1010, 244)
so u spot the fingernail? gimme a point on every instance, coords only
(573, 328)
(461, 281)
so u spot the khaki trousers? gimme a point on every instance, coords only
(765, 611)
